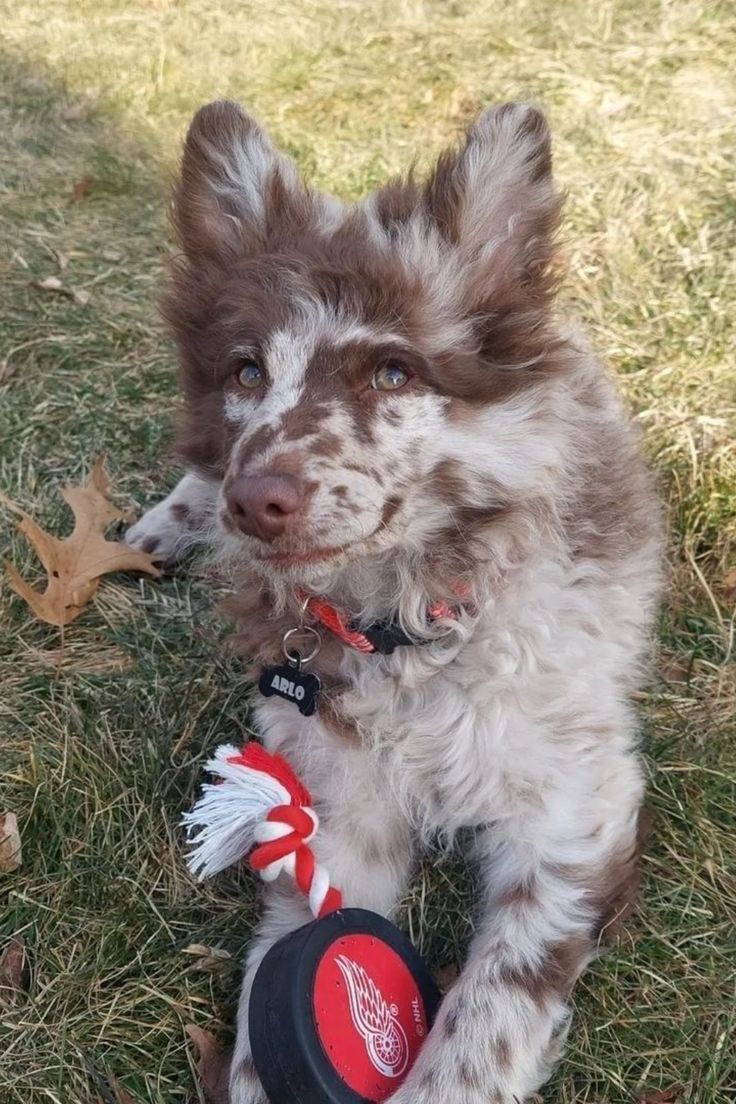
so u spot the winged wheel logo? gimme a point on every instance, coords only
(375, 1020)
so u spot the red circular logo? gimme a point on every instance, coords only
(369, 1014)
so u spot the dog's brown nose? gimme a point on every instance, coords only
(264, 505)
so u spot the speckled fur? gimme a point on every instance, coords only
(506, 466)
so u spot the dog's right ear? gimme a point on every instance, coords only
(233, 185)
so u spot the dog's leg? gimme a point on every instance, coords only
(502, 1026)
(366, 848)
(179, 521)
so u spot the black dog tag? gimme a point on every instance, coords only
(287, 681)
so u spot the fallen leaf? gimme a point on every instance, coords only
(12, 970)
(213, 1065)
(7, 370)
(50, 283)
(53, 283)
(81, 189)
(211, 964)
(75, 564)
(10, 852)
(675, 668)
(662, 1096)
(196, 949)
(729, 586)
(212, 960)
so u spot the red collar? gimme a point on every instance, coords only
(381, 636)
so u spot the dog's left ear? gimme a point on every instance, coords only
(494, 199)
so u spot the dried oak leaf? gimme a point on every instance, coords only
(75, 564)
(662, 1096)
(213, 1066)
(81, 189)
(10, 852)
(12, 970)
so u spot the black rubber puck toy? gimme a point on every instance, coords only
(340, 1008)
(339, 1011)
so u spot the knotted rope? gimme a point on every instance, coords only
(258, 803)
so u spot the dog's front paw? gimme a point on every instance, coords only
(177, 523)
(162, 532)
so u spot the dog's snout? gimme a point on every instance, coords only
(264, 505)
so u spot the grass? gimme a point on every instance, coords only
(98, 759)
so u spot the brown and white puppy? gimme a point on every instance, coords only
(382, 408)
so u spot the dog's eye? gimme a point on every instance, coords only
(249, 375)
(389, 378)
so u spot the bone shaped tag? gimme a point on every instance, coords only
(288, 682)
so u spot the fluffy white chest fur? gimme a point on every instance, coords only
(518, 717)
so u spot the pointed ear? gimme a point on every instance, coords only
(233, 183)
(494, 199)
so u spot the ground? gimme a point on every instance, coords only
(101, 750)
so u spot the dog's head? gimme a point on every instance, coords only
(364, 378)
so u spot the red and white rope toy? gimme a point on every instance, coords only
(258, 803)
